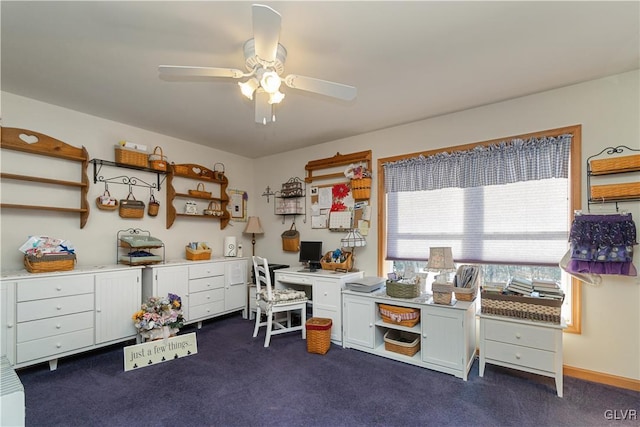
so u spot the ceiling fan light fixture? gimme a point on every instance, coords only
(247, 88)
(270, 82)
(276, 97)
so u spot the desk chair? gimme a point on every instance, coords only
(270, 301)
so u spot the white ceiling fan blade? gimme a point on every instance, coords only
(323, 87)
(264, 110)
(266, 31)
(179, 70)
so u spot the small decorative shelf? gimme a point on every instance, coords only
(609, 162)
(124, 179)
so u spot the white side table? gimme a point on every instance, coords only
(525, 345)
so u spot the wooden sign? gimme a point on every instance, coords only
(158, 351)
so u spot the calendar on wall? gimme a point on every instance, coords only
(340, 220)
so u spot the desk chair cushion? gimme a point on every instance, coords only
(282, 296)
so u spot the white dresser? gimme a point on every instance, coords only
(52, 315)
(207, 288)
(447, 333)
(525, 345)
(324, 289)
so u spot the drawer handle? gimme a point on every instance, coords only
(518, 335)
(58, 326)
(59, 345)
(208, 297)
(59, 288)
(59, 307)
(325, 294)
(518, 356)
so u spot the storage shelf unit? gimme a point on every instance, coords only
(44, 145)
(291, 199)
(606, 164)
(124, 179)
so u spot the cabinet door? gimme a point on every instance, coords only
(118, 296)
(442, 337)
(235, 285)
(326, 296)
(173, 280)
(7, 320)
(358, 321)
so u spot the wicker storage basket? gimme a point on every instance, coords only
(154, 207)
(131, 208)
(442, 292)
(616, 191)
(401, 342)
(403, 290)
(157, 160)
(616, 164)
(197, 254)
(49, 263)
(106, 202)
(361, 188)
(213, 209)
(326, 263)
(131, 157)
(465, 294)
(218, 171)
(318, 335)
(405, 316)
(199, 191)
(521, 307)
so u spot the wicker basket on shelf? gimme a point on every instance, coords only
(403, 290)
(200, 191)
(130, 157)
(157, 159)
(405, 316)
(442, 293)
(401, 342)
(326, 263)
(465, 294)
(49, 263)
(197, 254)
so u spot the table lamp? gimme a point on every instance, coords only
(253, 227)
(441, 261)
(353, 240)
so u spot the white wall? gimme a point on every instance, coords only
(608, 109)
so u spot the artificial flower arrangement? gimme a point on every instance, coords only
(159, 317)
(357, 172)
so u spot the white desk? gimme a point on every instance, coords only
(324, 289)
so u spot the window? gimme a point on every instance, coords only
(512, 217)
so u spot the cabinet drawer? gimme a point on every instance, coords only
(326, 294)
(520, 356)
(523, 335)
(206, 310)
(43, 328)
(54, 287)
(41, 309)
(51, 346)
(205, 297)
(205, 270)
(206, 283)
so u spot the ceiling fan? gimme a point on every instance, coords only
(264, 60)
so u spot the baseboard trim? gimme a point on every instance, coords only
(599, 377)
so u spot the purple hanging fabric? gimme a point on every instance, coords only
(602, 244)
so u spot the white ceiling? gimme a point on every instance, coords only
(409, 61)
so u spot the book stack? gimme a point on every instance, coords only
(547, 289)
(520, 286)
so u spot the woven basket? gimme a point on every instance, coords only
(465, 294)
(401, 342)
(218, 171)
(361, 188)
(405, 316)
(154, 207)
(100, 202)
(213, 209)
(180, 169)
(318, 335)
(326, 263)
(131, 208)
(521, 307)
(199, 192)
(615, 164)
(442, 293)
(403, 290)
(197, 254)
(629, 190)
(131, 157)
(157, 160)
(49, 263)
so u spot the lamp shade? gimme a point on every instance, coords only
(353, 239)
(253, 226)
(441, 260)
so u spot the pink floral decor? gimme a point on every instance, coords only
(159, 317)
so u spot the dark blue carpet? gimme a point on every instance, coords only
(234, 381)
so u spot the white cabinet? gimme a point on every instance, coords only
(62, 313)
(7, 320)
(324, 287)
(207, 288)
(529, 346)
(447, 342)
(116, 301)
